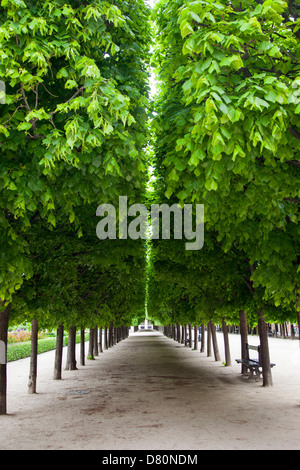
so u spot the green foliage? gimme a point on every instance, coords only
(18, 351)
(227, 136)
(74, 132)
(74, 126)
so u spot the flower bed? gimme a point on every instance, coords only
(19, 336)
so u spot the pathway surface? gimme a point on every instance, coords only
(149, 392)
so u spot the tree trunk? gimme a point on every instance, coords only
(96, 350)
(226, 344)
(190, 336)
(91, 344)
(110, 335)
(71, 355)
(105, 338)
(244, 338)
(178, 333)
(202, 348)
(264, 351)
(124, 332)
(4, 319)
(196, 337)
(82, 347)
(298, 317)
(33, 357)
(208, 340)
(100, 340)
(215, 342)
(58, 353)
(292, 331)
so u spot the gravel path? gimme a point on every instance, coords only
(149, 392)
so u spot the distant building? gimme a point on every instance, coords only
(146, 325)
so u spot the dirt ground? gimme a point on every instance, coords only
(149, 392)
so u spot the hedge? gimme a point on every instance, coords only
(16, 351)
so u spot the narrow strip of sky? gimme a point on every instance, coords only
(152, 76)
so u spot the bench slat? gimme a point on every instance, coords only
(252, 364)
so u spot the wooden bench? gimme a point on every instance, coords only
(254, 365)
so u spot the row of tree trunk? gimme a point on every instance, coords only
(183, 334)
(99, 340)
(103, 338)
(284, 330)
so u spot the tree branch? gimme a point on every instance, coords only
(37, 95)
(72, 97)
(294, 133)
(249, 286)
(294, 162)
(25, 99)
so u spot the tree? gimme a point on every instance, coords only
(228, 132)
(73, 129)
